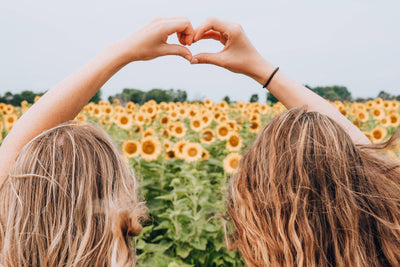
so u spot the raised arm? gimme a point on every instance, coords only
(240, 56)
(65, 100)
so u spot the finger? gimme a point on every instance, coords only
(175, 49)
(209, 58)
(211, 24)
(182, 26)
(211, 34)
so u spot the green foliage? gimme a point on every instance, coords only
(227, 99)
(97, 97)
(386, 96)
(16, 99)
(271, 98)
(156, 94)
(332, 93)
(253, 98)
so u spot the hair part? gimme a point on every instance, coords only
(70, 200)
(306, 195)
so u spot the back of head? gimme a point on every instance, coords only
(69, 200)
(306, 195)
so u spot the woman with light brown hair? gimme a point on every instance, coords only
(311, 190)
(67, 196)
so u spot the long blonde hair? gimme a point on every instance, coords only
(69, 200)
(306, 195)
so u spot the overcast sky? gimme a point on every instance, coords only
(343, 42)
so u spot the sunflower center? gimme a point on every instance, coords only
(131, 148)
(377, 134)
(124, 120)
(192, 152)
(234, 163)
(223, 131)
(178, 130)
(234, 140)
(196, 123)
(148, 147)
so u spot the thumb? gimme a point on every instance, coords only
(209, 58)
(175, 49)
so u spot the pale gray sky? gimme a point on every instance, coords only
(344, 42)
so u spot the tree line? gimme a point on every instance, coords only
(332, 93)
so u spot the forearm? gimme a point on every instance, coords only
(293, 94)
(61, 103)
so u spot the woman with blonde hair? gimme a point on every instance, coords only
(67, 197)
(311, 190)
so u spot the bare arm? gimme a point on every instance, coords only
(240, 56)
(65, 100)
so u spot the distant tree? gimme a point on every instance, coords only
(227, 99)
(253, 98)
(96, 97)
(332, 93)
(271, 98)
(16, 99)
(178, 96)
(386, 96)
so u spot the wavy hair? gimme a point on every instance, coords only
(70, 200)
(306, 195)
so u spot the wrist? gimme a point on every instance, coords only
(261, 70)
(120, 54)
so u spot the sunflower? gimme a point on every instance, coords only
(124, 122)
(169, 154)
(206, 119)
(196, 124)
(164, 120)
(140, 118)
(36, 99)
(369, 104)
(208, 102)
(231, 163)
(234, 142)
(167, 145)
(150, 148)
(384, 122)
(223, 131)
(362, 116)
(96, 111)
(178, 148)
(182, 112)
(255, 126)
(207, 136)
(192, 113)
(107, 110)
(138, 128)
(130, 105)
(173, 115)
(10, 119)
(192, 152)
(80, 117)
(165, 133)
(131, 148)
(205, 155)
(378, 102)
(179, 130)
(377, 113)
(394, 119)
(378, 134)
(149, 132)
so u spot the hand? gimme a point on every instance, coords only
(238, 55)
(151, 41)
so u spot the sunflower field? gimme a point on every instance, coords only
(183, 154)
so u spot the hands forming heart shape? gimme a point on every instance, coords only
(238, 54)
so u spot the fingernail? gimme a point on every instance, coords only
(194, 61)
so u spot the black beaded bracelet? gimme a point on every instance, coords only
(270, 78)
